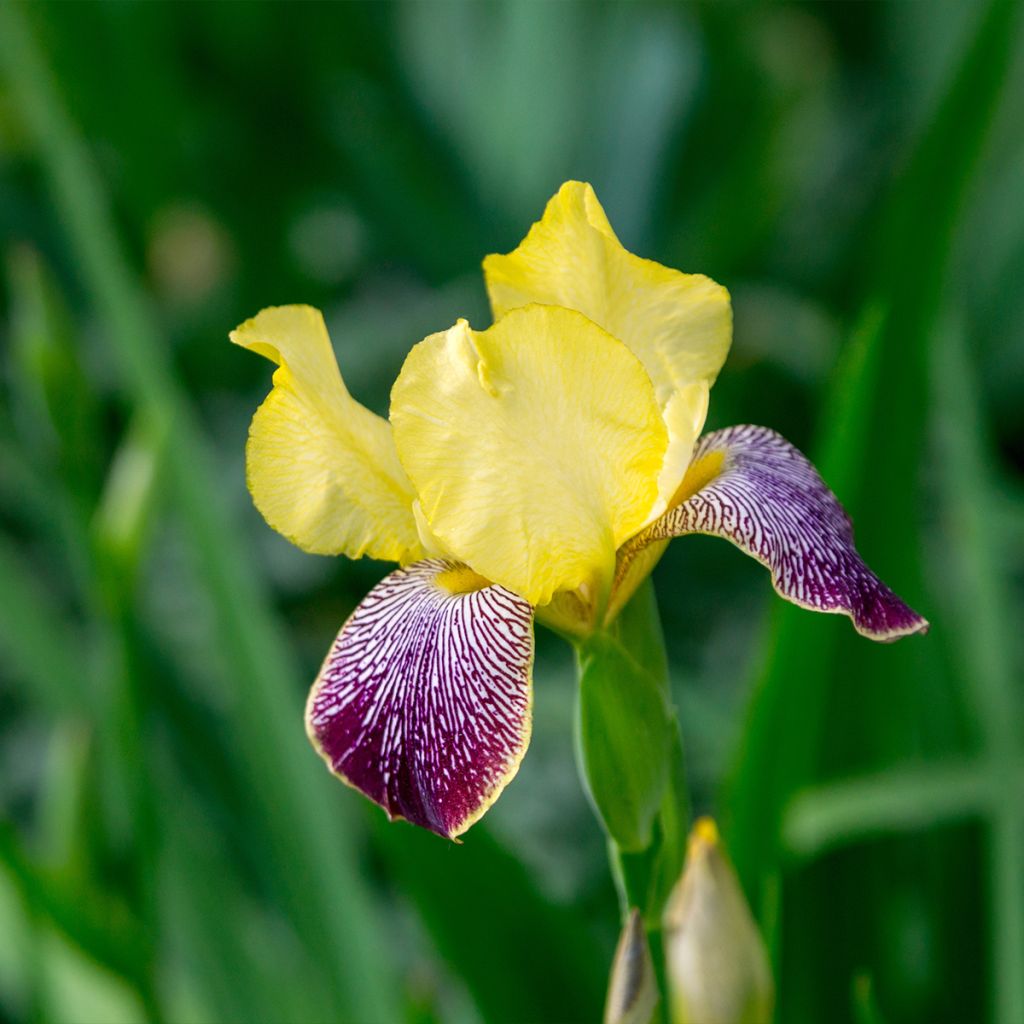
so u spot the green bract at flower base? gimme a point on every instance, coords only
(534, 468)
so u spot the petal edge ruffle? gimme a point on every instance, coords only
(678, 325)
(322, 469)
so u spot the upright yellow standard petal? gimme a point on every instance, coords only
(321, 467)
(679, 325)
(534, 446)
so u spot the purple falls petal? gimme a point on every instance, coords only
(424, 702)
(768, 499)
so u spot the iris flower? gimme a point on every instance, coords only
(535, 469)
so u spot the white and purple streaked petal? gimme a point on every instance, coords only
(751, 486)
(424, 701)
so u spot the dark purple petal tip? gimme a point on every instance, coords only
(423, 703)
(768, 499)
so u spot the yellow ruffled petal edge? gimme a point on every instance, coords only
(321, 468)
(679, 325)
(534, 447)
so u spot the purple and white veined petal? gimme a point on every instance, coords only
(751, 486)
(424, 701)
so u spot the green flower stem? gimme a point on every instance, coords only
(630, 755)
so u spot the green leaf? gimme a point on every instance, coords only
(126, 510)
(828, 703)
(301, 810)
(102, 927)
(792, 685)
(897, 800)
(646, 878)
(58, 409)
(864, 1001)
(30, 625)
(638, 628)
(237, 975)
(979, 601)
(874, 432)
(645, 871)
(624, 736)
(672, 828)
(521, 957)
(66, 822)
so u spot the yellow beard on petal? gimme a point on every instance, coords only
(700, 473)
(461, 580)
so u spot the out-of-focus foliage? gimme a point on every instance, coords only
(170, 849)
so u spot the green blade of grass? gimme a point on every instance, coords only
(30, 625)
(870, 445)
(105, 930)
(829, 704)
(315, 859)
(898, 800)
(979, 599)
(864, 1001)
(59, 411)
(241, 974)
(792, 679)
(522, 958)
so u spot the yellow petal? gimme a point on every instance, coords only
(679, 325)
(321, 467)
(684, 413)
(534, 447)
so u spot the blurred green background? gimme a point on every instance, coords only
(171, 849)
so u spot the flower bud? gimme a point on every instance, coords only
(717, 965)
(632, 989)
